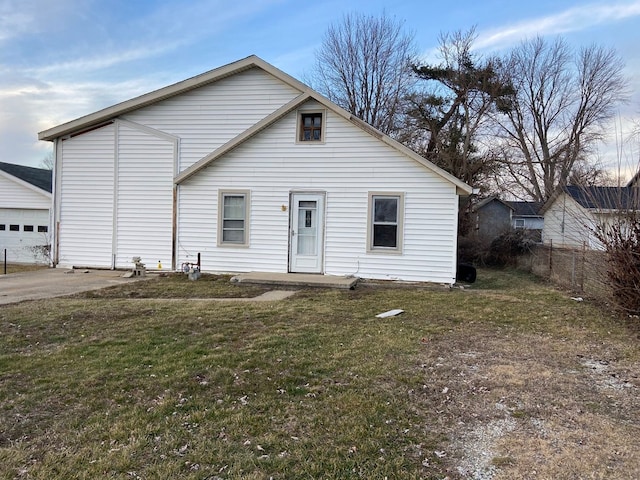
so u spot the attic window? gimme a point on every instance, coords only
(310, 129)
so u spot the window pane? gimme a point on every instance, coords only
(386, 210)
(235, 224)
(43, 228)
(233, 218)
(27, 228)
(234, 206)
(14, 228)
(311, 126)
(233, 236)
(385, 236)
(3, 227)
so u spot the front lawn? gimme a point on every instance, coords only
(506, 379)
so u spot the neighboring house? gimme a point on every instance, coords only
(256, 172)
(494, 216)
(527, 216)
(25, 198)
(572, 214)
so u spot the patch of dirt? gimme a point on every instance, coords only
(533, 407)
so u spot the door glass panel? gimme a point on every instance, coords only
(307, 227)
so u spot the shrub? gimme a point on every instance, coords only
(621, 241)
(507, 247)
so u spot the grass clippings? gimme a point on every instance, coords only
(506, 379)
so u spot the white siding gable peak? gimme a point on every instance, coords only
(26, 185)
(109, 114)
(307, 95)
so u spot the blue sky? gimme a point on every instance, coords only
(66, 58)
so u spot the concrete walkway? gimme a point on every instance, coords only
(296, 280)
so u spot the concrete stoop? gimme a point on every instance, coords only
(296, 280)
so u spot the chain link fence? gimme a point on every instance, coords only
(580, 270)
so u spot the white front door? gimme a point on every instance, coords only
(307, 232)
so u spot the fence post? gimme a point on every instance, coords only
(550, 257)
(584, 265)
(573, 269)
(5, 261)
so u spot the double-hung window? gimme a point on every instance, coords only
(386, 211)
(233, 218)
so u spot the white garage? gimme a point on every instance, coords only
(25, 198)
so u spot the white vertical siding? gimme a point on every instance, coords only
(144, 199)
(347, 166)
(211, 115)
(86, 192)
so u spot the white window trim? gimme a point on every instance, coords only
(247, 222)
(397, 250)
(299, 113)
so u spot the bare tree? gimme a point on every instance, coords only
(47, 161)
(562, 103)
(363, 65)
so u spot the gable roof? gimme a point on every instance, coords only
(37, 177)
(107, 115)
(493, 198)
(526, 209)
(599, 198)
(635, 180)
(603, 198)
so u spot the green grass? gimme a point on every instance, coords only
(100, 386)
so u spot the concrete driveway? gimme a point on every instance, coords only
(56, 282)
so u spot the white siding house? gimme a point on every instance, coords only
(254, 171)
(25, 198)
(573, 214)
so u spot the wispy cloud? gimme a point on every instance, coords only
(99, 62)
(571, 20)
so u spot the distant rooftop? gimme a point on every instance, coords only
(605, 198)
(526, 209)
(38, 177)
